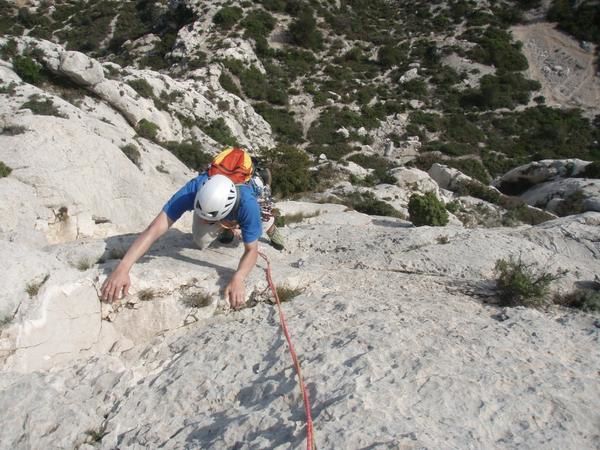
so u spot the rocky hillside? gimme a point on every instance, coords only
(442, 263)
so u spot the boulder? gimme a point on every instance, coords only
(81, 69)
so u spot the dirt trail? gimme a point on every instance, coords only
(566, 71)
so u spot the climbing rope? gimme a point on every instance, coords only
(310, 444)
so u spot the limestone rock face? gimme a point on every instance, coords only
(519, 179)
(383, 304)
(550, 184)
(81, 69)
(447, 177)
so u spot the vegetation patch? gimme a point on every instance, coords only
(147, 129)
(146, 294)
(286, 293)
(133, 153)
(583, 298)
(197, 299)
(427, 210)
(519, 283)
(189, 153)
(4, 170)
(42, 106)
(290, 170)
(283, 220)
(368, 203)
(220, 132)
(28, 69)
(33, 287)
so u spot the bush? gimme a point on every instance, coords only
(304, 31)
(367, 203)
(495, 48)
(427, 209)
(4, 170)
(592, 170)
(289, 168)
(142, 87)
(228, 16)
(282, 123)
(147, 129)
(190, 153)
(258, 24)
(29, 70)
(505, 90)
(584, 299)
(229, 85)
(42, 107)
(220, 132)
(133, 153)
(518, 283)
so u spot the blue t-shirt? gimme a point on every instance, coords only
(247, 214)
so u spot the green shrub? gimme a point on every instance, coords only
(133, 153)
(427, 209)
(228, 16)
(390, 55)
(282, 123)
(228, 84)
(495, 48)
(592, 170)
(585, 299)
(4, 170)
(41, 107)
(190, 153)
(258, 24)
(518, 283)
(304, 31)
(147, 129)
(367, 203)
(220, 132)
(28, 69)
(505, 90)
(142, 87)
(289, 168)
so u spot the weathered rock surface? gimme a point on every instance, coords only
(397, 347)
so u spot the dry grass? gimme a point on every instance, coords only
(147, 294)
(197, 299)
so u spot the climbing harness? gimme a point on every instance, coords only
(310, 443)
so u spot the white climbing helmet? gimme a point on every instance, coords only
(216, 198)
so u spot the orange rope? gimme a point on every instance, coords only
(310, 444)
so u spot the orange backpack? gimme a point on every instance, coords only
(235, 163)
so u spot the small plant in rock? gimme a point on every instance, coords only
(42, 107)
(12, 130)
(228, 16)
(9, 89)
(142, 87)
(4, 321)
(519, 283)
(197, 299)
(147, 129)
(4, 170)
(33, 287)
(585, 299)
(84, 264)
(367, 203)
(286, 293)
(427, 209)
(133, 153)
(147, 294)
(443, 240)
